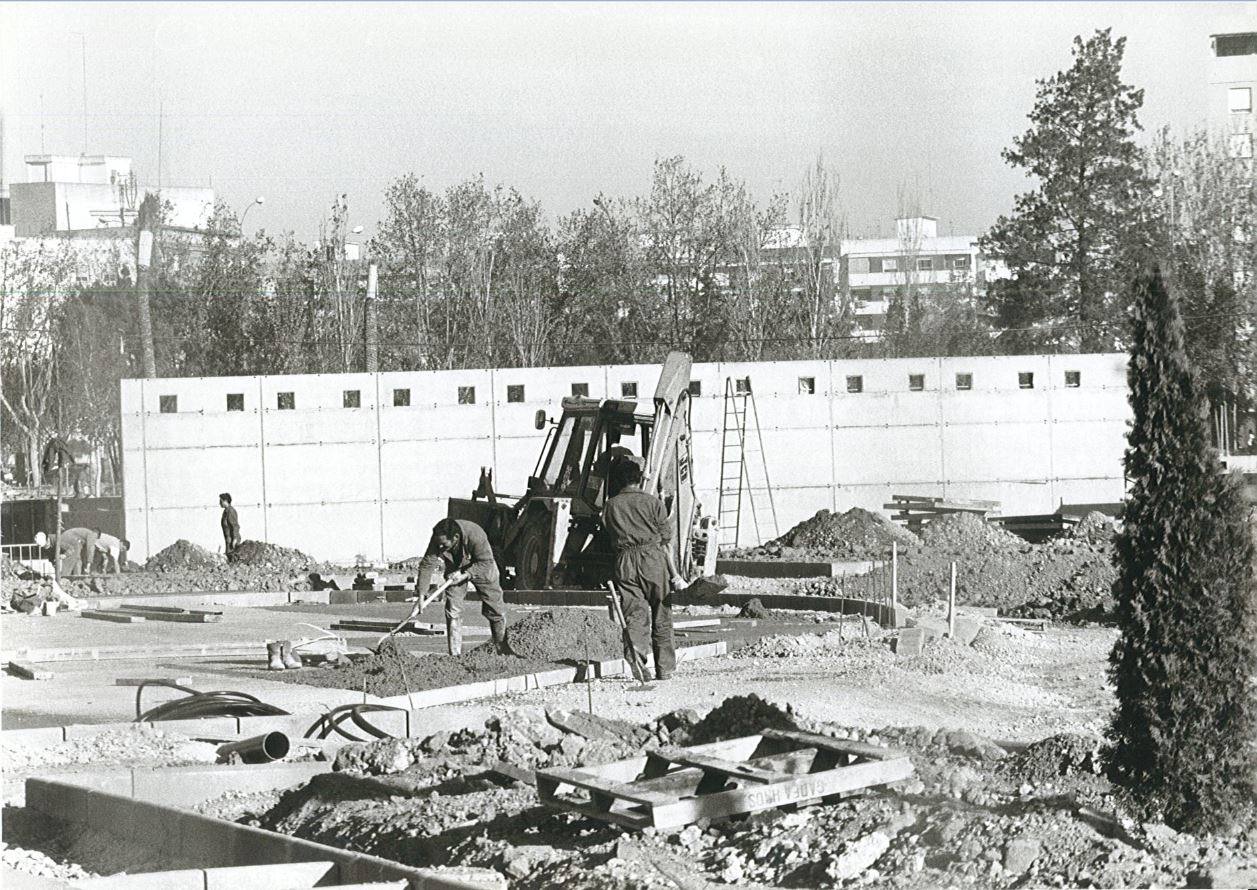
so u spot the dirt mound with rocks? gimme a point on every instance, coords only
(963, 533)
(741, 715)
(1094, 528)
(566, 635)
(1056, 756)
(259, 554)
(855, 535)
(182, 556)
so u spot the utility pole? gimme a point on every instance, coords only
(369, 322)
(146, 227)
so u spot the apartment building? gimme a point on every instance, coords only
(1232, 83)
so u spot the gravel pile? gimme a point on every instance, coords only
(33, 862)
(855, 535)
(259, 554)
(1094, 528)
(563, 634)
(964, 533)
(741, 715)
(182, 556)
(795, 646)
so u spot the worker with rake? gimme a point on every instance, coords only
(641, 536)
(460, 551)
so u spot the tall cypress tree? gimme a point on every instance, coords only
(1183, 733)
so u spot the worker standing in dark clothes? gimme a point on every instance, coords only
(641, 536)
(459, 550)
(231, 524)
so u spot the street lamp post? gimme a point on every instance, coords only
(254, 203)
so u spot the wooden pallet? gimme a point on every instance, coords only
(916, 511)
(670, 787)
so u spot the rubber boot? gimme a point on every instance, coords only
(454, 635)
(274, 660)
(497, 630)
(288, 656)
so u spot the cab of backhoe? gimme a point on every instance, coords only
(589, 436)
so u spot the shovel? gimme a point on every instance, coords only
(422, 602)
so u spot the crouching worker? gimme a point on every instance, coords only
(641, 536)
(459, 551)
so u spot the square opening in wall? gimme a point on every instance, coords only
(1025, 379)
(286, 401)
(964, 381)
(235, 401)
(696, 389)
(628, 389)
(580, 390)
(466, 395)
(1073, 379)
(807, 386)
(855, 383)
(353, 398)
(916, 382)
(401, 398)
(168, 404)
(515, 392)
(742, 385)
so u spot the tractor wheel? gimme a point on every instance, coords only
(533, 561)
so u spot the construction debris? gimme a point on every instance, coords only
(855, 535)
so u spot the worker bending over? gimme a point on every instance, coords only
(641, 536)
(110, 550)
(460, 552)
(77, 546)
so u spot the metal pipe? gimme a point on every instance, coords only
(263, 748)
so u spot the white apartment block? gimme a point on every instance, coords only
(1232, 83)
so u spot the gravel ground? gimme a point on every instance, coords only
(139, 746)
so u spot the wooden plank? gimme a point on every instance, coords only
(179, 617)
(793, 790)
(174, 610)
(708, 764)
(696, 622)
(28, 671)
(842, 746)
(589, 782)
(106, 615)
(136, 681)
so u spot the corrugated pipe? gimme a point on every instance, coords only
(263, 748)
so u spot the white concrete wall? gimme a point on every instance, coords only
(338, 482)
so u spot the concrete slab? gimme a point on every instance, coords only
(911, 641)
(967, 628)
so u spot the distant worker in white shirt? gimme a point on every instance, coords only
(110, 550)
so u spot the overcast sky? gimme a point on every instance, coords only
(301, 101)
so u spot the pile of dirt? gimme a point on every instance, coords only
(970, 815)
(855, 535)
(795, 646)
(566, 635)
(539, 641)
(1094, 528)
(271, 556)
(741, 715)
(966, 533)
(182, 556)
(1060, 755)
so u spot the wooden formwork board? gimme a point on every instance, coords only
(671, 787)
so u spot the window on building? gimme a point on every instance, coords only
(515, 392)
(964, 381)
(466, 395)
(742, 385)
(855, 383)
(286, 401)
(1025, 380)
(235, 401)
(1240, 145)
(1073, 379)
(581, 390)
(875, 264)
(807, 386)
(168, 404)
(1239, 99)
(960, 262)
(860, 265)
(401, 398)
(1235, 45)
(890, 264)
(916, 382)
(925, 264)
(353, 398)
(696, 389)
(628, 389)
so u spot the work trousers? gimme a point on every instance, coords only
(492, 605)
(641, 574)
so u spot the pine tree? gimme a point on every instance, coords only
(1183, 733)
(1064, 242)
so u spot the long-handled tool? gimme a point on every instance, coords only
(631, 655)
(422, 602)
